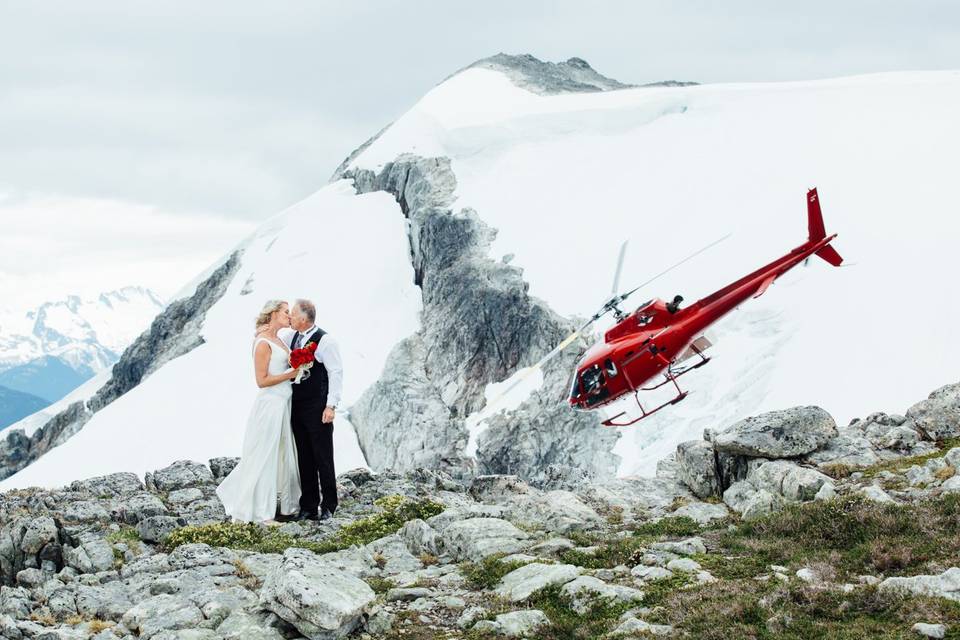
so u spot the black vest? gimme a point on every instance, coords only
(313, 390)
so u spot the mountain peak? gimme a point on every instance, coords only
(574, 75)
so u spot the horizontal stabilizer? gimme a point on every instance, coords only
(765, 285)
(830, 254)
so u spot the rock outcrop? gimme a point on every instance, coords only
(764, 462)
(94, 561)
(414, 415)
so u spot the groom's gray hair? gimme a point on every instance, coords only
(306, 308)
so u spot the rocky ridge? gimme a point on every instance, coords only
(173, 332)
(415, 414)
(803, 546)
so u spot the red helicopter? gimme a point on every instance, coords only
(659, 337)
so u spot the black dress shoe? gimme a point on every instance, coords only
(325, 515)
(281, 517)
(307, 515)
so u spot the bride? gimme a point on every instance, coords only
(268, 465)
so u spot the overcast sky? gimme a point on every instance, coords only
(140, 140)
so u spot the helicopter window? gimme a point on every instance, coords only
(610, 368)
(575, 386)
(592, 379)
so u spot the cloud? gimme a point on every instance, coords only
(50, 247)
(196, 119)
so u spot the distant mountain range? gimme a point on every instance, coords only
(47, 377)
(15, 405)
(48, 351)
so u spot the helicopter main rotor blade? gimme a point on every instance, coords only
(616, 274)
(674, 266)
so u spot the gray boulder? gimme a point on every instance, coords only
(697, 467)
(161, 613)
(320, 601)
(179, 475)
(791, 481)
(750, 502)
(221, 467)
(778, 434)
(109, 486)
(156, 528)
(516, 624)
(584, 590)
(139, 506)
(420, 537)
(946, 585)
(521, 583)
(849, 448)
(91, 555)
(477, 538)
(939, 415)
(702, 512)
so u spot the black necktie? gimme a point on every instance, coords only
(296, 341)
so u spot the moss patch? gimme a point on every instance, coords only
(395, 511)
(487, 573)
(852, 534)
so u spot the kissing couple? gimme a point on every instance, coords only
(287, 460)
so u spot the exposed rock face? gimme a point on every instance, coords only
(939, 415)
(172, 333)
(778, 434)
(414, 414)
(698, 467)
(946, 585)
(549, 78)
(320, 601)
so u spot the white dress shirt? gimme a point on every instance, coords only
(328, 354)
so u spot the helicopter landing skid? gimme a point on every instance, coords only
(671, 376)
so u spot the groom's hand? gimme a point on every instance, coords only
(327, 415)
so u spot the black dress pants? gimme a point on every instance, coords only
(314, 440)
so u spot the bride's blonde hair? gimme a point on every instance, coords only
(268, 309)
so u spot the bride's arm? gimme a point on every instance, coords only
(261, 362)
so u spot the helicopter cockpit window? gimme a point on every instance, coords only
(575, 386)
(610, 368)
(592, 379)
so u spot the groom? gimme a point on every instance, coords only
(312, 411)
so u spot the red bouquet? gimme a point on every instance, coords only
(302, 359)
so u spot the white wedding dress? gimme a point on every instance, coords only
(268, 465)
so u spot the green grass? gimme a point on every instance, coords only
(853, 535)
(900, 464)
(742, 609)
(567, 624)
(616, 550)
(487, 573)
(379, 585)
(394, 512)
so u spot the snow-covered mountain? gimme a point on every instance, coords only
(87, 334)
(469, 236)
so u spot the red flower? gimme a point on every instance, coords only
(301, 357)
